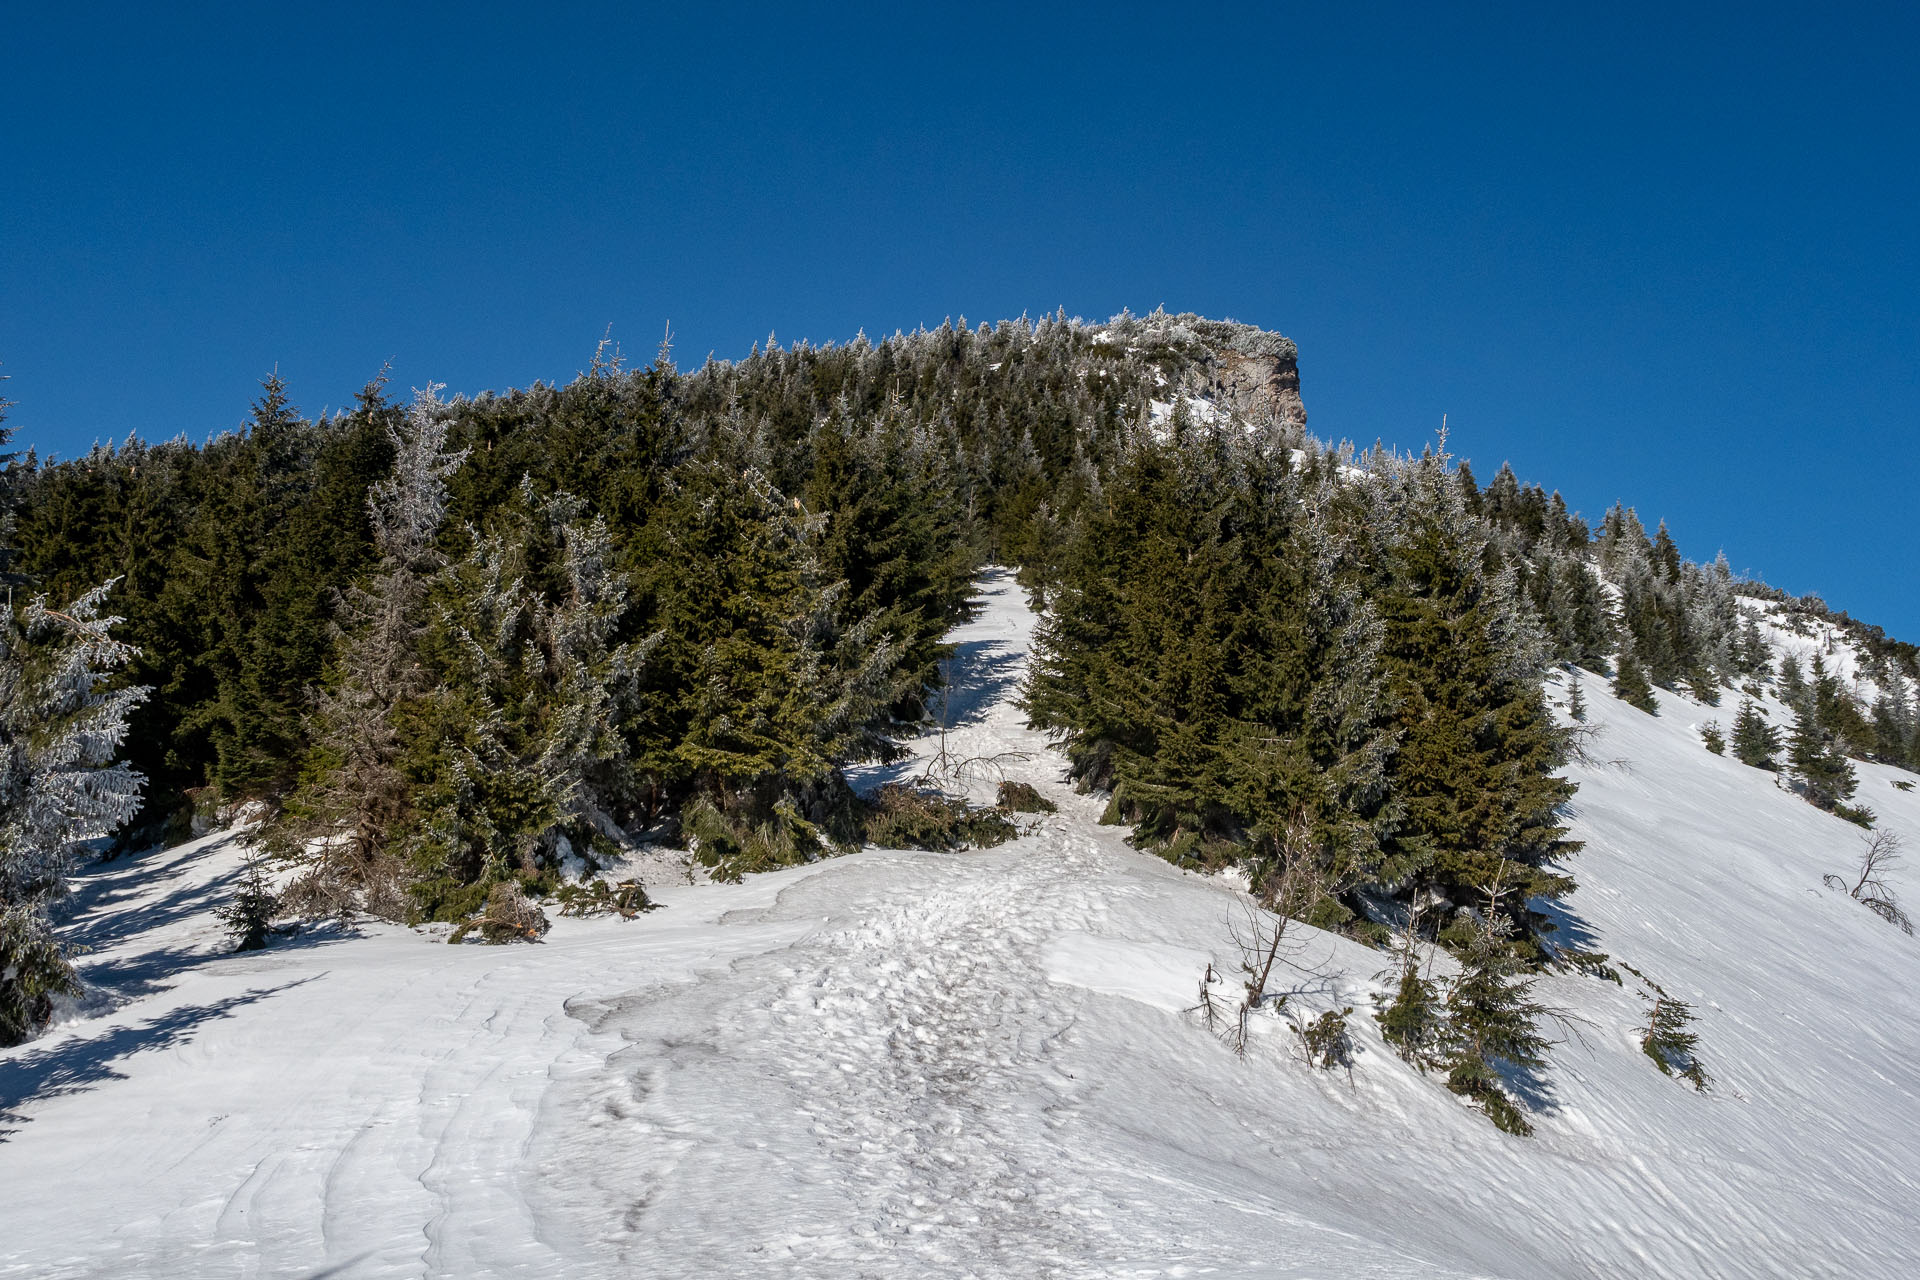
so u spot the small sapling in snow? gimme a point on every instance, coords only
(249, 914)
(1669, 1039)
(1326, 1040)
(1411, 1023)
(1670, 1044)
(1262, 936)
(1208, 1010)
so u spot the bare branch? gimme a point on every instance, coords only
(1870, 887)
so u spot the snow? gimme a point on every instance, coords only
(913, 1064)
(1836, 650)
(1201, 410)
(1152, 973)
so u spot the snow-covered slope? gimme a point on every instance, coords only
(910, 1064)
(1804, 639)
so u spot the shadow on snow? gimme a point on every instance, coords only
(75, 1064)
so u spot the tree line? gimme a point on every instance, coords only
(450, 645)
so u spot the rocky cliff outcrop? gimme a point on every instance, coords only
(1260, 386)
(1253, 373)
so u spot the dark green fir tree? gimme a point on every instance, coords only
(1492, 1023)
(1631, 686)
(1825, 774)
(1755, 742)
(1475, 769)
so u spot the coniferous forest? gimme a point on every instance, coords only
(445, 650)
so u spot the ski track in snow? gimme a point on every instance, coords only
(906, 1064)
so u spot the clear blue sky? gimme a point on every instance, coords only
(1642, 253)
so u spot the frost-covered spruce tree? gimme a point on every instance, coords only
(353, 792)
(61, 784)
(1713, 620)
(521, 753)
(1752, 656)
(1676, 618)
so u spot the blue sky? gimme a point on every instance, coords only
(1660, 254)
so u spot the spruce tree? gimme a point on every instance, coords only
(1793, 681)
(1754, 658)
(1491, 1021)
(354, 791)
(62, 722)
(316, 540)
(1896, 726)
(763, 686)
(1666, 556)
(1631, 686)
(1313, 705)
(1837, 711)
(1413, 1023)
(1825, 774)
(1577, 613)
(892, 532)
(520, 754)
(1755, 742)
(250, 585)
(1475, 770)
(1138, 663)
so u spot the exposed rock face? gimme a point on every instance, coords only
(1261, 386)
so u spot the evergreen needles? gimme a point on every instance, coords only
(1492, 1023)
(1668, 1039)
(1755, 742)
(61, 787)
(1670, 1042)
(249, 913)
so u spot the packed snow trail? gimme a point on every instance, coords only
(911, 1064)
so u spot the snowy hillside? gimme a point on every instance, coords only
(1813, 639)
(917, 1064)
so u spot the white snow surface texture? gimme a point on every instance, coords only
(979, 1064)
